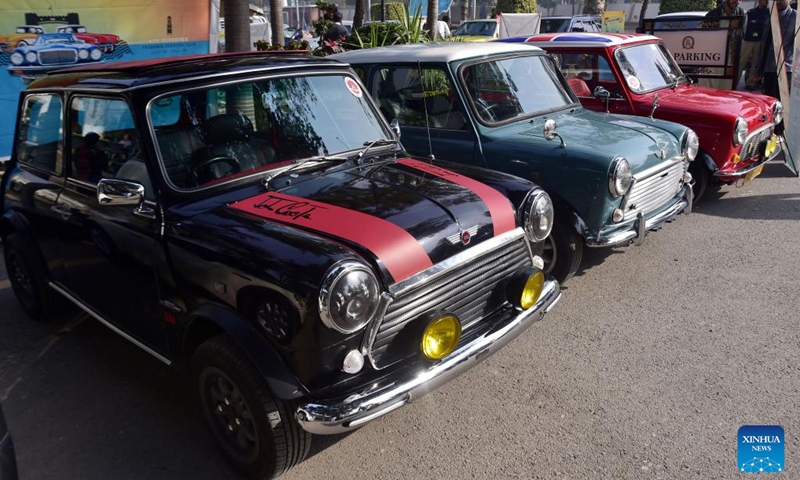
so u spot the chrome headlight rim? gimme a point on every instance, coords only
(691, 145)
(620, 177)
(329, 289)
(538, 216)
(17, 58)
(739, 131)
(777, 113)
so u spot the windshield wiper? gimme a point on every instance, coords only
(331, 158)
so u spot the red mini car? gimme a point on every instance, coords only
(104, 41)
(636, 74)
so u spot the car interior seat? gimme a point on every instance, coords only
(579, 86)
(231, 135)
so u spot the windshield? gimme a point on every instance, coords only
(216, 134)
(647, 67)
(477, 28)
(502, 90)
(553, 25)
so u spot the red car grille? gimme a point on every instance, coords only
(58, 57)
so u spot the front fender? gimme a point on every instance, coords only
(282, 382)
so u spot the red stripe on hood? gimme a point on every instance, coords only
(397, 249)
(500, 207)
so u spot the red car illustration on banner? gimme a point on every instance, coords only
(104, 41)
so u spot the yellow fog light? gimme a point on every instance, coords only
(441, 336)
(525, 288)
(736, 159)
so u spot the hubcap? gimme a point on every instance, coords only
(18, 273)
(231, 417)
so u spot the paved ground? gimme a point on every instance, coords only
(650, 364)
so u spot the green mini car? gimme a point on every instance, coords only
(612, 178)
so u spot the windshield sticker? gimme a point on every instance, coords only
(352, 85)
(633, 82)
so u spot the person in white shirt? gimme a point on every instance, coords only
(443, 27)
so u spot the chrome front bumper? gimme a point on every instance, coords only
(639, 228)
(338, 415)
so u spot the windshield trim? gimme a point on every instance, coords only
(669, 56)
(473, 109)
(258, 171)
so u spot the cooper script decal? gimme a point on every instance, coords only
(395, 248)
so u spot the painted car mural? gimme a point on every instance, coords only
(22, 36)
(104, 41)
(52, 51)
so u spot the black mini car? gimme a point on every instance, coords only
(255, 217)
(8, 462)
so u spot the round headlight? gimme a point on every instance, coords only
(30, 57)
(739, 131)
(539, 218)
(441, 336)
(691, 145)
(348, 299)
(17, 58)
(777, 113)
(96, 54)
(621, 177)
(83, 54)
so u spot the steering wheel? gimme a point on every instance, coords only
(205, 167)
(485, 110)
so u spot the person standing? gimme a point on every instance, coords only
(767, 64)
(443, 27)
(752, 41)
(337, 32)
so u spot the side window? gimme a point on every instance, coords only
(41, 133)
(584, 72)
(104, 143)
(404, 94)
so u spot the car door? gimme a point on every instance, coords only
(33, 186)
(110, 251)
(428, 108)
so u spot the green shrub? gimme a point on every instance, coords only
(516, 6)
(671, 6)
(394, 11)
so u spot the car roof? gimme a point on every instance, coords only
(431, 52)
(143, 73)
(580, 39)
(682, 14)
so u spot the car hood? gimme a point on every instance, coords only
(642, 143)
(402, 216)
(755, 108)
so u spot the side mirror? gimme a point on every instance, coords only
(601, 93)
(111, 191)
(395, 125)
(551, 133)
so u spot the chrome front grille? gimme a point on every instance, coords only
(657, 186)
(752, 146)
(58, 57)
(471, 290)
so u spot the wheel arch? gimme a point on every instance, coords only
(210, 320)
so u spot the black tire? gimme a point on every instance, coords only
(701, 176)
(563, 251)
(28, 277)
(266, 441)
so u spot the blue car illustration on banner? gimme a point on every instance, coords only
(51, 51)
